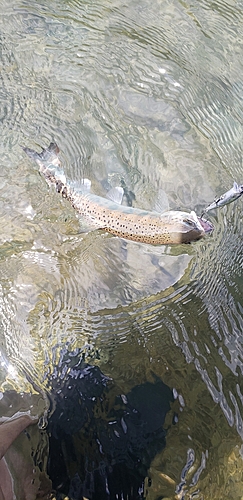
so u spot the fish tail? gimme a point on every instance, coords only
(31, 153)
(49, 165)
(46, 155)
(48, 162)
(52, 148)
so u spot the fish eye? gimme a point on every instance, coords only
(189, 222)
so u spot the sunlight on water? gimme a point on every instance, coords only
(147, 96)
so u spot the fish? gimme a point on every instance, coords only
(233, 194)
(167, 228)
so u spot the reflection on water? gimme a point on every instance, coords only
(146, 95)
(102, 441)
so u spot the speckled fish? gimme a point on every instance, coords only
(167, 228)
(233, 194)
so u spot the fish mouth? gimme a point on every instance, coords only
(206, 225)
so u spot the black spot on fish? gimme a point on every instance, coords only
(64, 192)
(59, 186)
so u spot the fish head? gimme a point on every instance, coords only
(194, 228)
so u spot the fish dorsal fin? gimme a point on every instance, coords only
(116, 194)
(83, 186)
(86, 184)
(161, 203)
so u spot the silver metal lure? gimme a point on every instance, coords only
(233, 194)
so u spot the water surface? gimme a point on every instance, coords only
(148, 96)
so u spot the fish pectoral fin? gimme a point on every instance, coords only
(116, 194)
(235, 186)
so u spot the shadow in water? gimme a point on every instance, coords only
(102, 442)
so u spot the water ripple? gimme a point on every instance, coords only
(141, 94)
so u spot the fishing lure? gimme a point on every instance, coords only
(233, 194)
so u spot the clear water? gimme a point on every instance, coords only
(147, 94)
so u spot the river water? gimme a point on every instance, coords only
(147, 95)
